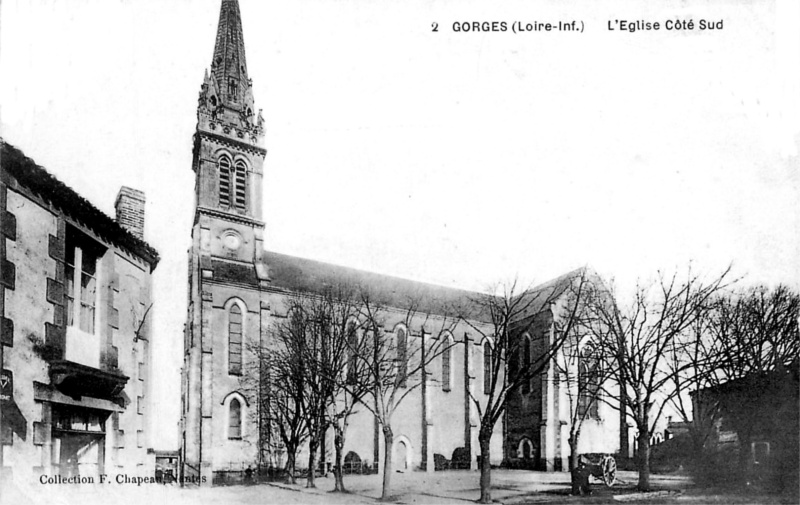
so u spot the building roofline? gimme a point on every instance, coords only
(38, 180)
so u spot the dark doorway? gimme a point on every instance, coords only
(79, 437)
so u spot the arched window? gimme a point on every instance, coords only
(402, 363)
(352, 342)
(525, 449)
(526, 363)
(296, 321)
(224, 181)
(589, 372)
(526, 355)
(240, 194)
(235, 419)
(446, 363)
(487, 368)
(235, 340)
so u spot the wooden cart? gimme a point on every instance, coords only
(602, 467)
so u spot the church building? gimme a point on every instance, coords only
(239, 291)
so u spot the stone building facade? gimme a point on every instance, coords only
(74, 303)
(238, 291)
(541, 413)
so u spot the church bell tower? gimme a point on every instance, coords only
(227, 271)
(228, 145)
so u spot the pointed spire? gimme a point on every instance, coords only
(229, 66)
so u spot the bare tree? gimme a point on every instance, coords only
(754, 332)
(394, 364)
(512, 314)
(581, 367)
(740, 334)
(693, 362)
(641, 337)
(299, 360)
(324, 355)
(339, 375)
(281, 397)
(331, 357)
(277, 378)
(312, 345)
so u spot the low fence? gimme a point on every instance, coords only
(242, 474)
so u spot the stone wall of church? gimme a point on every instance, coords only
(540, 417)
(232, 450)
(526, 417)
(447, 411)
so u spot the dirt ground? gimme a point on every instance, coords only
(454, 487)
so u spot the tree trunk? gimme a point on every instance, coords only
(743, 427)
(484, 440)
(291, 463)
(388, 442)
(643, 442)
(338, 472)
(576, 476)
(745, 468)
(312, 467)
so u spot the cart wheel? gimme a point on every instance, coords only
(609, 471)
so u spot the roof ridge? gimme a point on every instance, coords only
(38, 179)
(380, 274)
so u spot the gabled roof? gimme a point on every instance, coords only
(45, 185)
(311, 276)
(304, 275)
(756, 381)
(537, 298)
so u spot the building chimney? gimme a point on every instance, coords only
(130, 210)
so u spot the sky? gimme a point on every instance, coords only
(457, 158)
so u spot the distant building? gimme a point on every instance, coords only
(676, 429)
(238, 291)
(167, 463)
(756, 422)
(75, 301)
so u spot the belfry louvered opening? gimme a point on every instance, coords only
(241, 180)
(224, 181)
(232, 184)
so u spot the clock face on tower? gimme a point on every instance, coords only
(231, 240)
